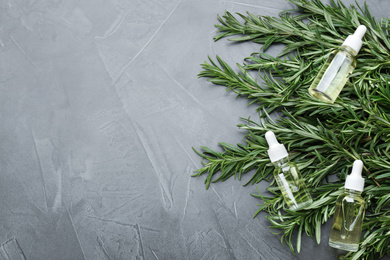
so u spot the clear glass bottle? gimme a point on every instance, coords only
(334, 73)
(287, 175)
(349, 214)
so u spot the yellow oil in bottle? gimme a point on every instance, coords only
(347, 222)
(333, 75)
(292, 185)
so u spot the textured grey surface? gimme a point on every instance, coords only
(99, 108)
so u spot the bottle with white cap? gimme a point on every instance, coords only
(340, 64)
(349, 213)
(287, 175)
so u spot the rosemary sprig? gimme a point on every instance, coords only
(323, 139)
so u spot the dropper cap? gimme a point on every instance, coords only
(355, 181)
(276, 150)
(354, 41)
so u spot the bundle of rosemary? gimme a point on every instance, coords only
(323, 139)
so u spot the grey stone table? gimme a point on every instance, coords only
(99, 106)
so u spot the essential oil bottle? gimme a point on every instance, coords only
(349, 213)
(287, 175)
(340, 64)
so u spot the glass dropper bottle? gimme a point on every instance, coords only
(287, 175)
(349, 213)
(334, 73)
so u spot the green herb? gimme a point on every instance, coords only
(323, 139)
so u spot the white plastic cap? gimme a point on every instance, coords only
(355, 41)
(355, 181)
(276, 150)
